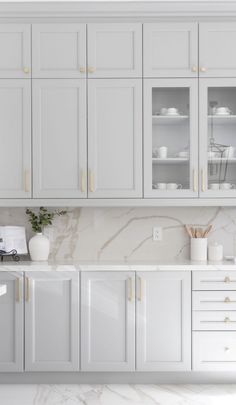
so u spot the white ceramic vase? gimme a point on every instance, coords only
(39, 246)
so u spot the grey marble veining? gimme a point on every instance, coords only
(118, 394)
(125, 234)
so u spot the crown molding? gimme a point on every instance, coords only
(132, 9)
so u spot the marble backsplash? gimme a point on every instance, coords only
(109, 234)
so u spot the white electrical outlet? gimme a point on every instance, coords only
(157, 233)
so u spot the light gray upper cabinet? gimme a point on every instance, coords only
(115, 50)
(12, 321)
(216, 49)
(170, 49)
(15, 50)
(59, 50)
(163, 321)
(115, 138)
(107, 321)
(15, 138)
(170, 140)
(51, 321)
(59, 138)
(217, 142)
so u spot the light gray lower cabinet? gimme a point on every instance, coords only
(163, 324)
(11, 321)
(107, 321)
(51, 321)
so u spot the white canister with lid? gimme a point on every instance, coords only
(215, 252)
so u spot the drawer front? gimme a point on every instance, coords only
(214, 280)
(214, 351)
(214, 300)
(214, 320)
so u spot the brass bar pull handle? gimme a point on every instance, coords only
(140, 289)
(82, 180)
(27, 289)
(27, 181)
(130, 289)
(203, 180)
(17, 289)
(194, 180)
(91, 181)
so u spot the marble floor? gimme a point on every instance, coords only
(118, 394)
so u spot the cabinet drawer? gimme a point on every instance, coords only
(214, 280)
(214, 351)
(214, 300)
(214, 320)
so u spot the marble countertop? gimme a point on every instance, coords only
(116, 266)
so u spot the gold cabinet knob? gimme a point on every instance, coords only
(82, 70)
(203, 69)
(26, 70)
(194, 69)
(226, 319)
(227, 349)
(227, 280)
(91, 70)
(227, 299)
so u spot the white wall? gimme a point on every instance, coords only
(126, 233)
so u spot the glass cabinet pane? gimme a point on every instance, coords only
(221, 141)
(170, 156)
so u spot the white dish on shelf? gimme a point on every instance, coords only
(219, 114)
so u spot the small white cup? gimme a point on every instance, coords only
(163, 111)
(162, 152)
(173, 186)
(214, 186)
(172, 111)
(161, 186)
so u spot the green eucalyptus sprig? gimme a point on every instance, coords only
(43, 218)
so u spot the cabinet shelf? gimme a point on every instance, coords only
(170, 160)
(221, 160)
(168, 120)
(222, 119)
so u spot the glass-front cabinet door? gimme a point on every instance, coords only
(170, 138)
(217, 125)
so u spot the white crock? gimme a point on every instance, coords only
(39, 247)
(198, 249)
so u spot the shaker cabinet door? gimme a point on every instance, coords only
(59, 50)
(217, 142)
(15, 50)
(15, 138)
(115, 138)
(170, 138)
(217, 57)
(59, 138)
(170, 49)
(11, 321)
(51, 321)
(115, 50)
(163, 321)
(107, 321)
